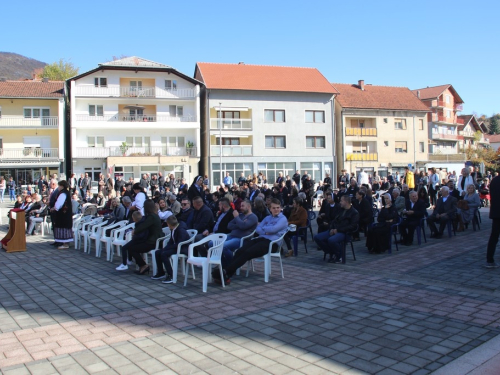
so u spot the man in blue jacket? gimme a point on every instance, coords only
(271, 228)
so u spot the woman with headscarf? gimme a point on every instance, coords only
(63, 216)
(196, 188)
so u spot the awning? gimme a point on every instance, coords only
(134, 107)
(235, 109)
(399, 165)
(24, 164)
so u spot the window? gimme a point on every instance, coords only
(448, 113)
(95, 141)
(139, 141)
(100, 82)
(315, 142)
(420, 124)
(400, 147)
(421, 146)
(96, 110)
(274, 115)
(228, 141)
(234, 169)
(315, 116)
(35, 112)
(176, 110)
(172, 146)
(359, 147)
(447, 99)
(93, 172)
(274, 141)
(170, 84)
(400, 123)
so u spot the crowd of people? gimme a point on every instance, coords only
(361, 204)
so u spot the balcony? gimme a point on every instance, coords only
(447, 137)
(231, 124)
(104, 152)
(361, 157)
(134, 92)
(135, 118)
(29, 153)
(447, 157)
(361, 132)
(438, 103)
(22, 122)
(447, 120)
(459, 107)
(231, 150)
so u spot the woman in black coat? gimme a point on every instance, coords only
(378, 236)
(196, 188)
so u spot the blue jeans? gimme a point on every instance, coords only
(12, 195)
(330, 244)
(230, 245)
(2, 192)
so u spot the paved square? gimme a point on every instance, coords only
(422, 309)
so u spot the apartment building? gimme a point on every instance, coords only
(267, 119)
(444, 105)
(133, 116)
(379, 128)
(31, 129)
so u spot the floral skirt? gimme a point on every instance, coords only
(63, 234)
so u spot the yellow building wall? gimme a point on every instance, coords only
(13, 138)
(148, 109)
(146, 82)
(15, 107)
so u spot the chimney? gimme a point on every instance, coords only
(361, 84)
(418, 94)
(3, 79)
(45, 79)
(241, 63)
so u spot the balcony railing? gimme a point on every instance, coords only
(135, 118)
(231, 150)
(134, 92)
(452, 137)
(363, 132)
(231, 124)
(439, 103)
(459, 107)
(21, 121)
(104, 152)
(448, 120)
(447, 157)
(29, 153)
(361, 157)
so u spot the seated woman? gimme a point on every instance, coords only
(298, 217)
(19, 202)
(37, 216)
(424, 197)
(465, 216)
(379, 235)
(163, 211)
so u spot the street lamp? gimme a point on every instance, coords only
(220, 140)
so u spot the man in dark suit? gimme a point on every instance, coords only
(178, 234)
(453, 192)
(413, 213)
(445, 210)
(225, 216)
(329, 210)
(495, 218)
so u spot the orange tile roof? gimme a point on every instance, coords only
(378, 97)
(262, 78)
(494, 138)
(31, 89)
(435, 91)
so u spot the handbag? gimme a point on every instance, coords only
(463, 205)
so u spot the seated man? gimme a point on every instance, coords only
(328, 211)
(186, 213)
(178, 233)
(445, 210)
(398, 201)
(271, 228)
(241, 226)
(453, 192)
(413, 213)
(331, 241)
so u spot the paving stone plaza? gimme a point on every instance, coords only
(424, 309)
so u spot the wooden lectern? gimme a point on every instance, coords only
(15, 240)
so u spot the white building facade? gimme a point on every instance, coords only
(277, 127)
(134, 116)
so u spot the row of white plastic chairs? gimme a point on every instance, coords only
(87, 229)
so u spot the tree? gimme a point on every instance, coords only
(482, 154)
(494, 127)
(58, 71)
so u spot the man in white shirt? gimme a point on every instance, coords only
(363, 178)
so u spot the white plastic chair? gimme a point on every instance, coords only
(160, 244)
(95, 234)
(85, 231)
(174, 259)
(214, 256)
(120, 238)
(242, 241)
(108, 239)
(317, 196)
(267, 258)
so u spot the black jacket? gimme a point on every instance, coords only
(203, 219)
(225, 222)
(418, 211)
(495, 198)
(449, 207)
(193, 192)
(346, 220)
(364, 209)
(153, 225)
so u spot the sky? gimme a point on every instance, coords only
(389, 43)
